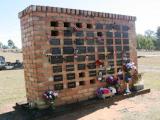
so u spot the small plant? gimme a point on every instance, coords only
(50, 96)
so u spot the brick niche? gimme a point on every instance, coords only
(61, 45)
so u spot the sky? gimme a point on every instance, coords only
(146, 11)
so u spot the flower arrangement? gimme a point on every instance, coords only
(114, 82)
(50, 96)
(111, 80)
(129, 66)
(103, 92)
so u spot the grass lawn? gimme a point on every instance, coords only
(150, 66)
(12, 87)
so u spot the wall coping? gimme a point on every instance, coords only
(36, 8)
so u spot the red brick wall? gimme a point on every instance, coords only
(36, 34)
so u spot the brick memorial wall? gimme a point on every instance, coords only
(61, 47)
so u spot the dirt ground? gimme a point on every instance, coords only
(11, 57)
(143, 107)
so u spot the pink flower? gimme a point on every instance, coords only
(55, 94)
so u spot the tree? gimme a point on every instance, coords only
(149, 33)
(11, 44)
(140, 41)
(4, 47)
(147, 41)
(149, 44)
(1, 44)
(158, 39)
(150, 38)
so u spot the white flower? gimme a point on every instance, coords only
(50, 96)
(112, 89)
(50, 92)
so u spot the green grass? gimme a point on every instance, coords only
(151, 78)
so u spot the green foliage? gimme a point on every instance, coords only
(1, 44)
(140, 41)
(4, 47)
(157, 43)
(147, 41)
(11, 44)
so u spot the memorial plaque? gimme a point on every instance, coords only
(71, 84)
(58, 78)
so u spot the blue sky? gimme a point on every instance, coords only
(146, 11)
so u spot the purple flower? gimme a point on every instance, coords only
(50, 95)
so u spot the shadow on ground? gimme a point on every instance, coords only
(81, 108)
(84, 108)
